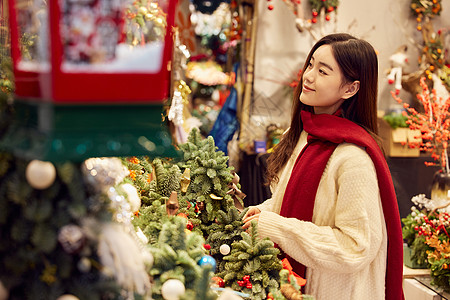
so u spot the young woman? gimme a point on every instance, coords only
(333, 209)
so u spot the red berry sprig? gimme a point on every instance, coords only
(245, 282)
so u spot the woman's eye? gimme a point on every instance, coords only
(322, 72)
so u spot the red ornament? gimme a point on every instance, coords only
(207, 246)
(314, 20)
(249, 286)
(327, 17)
(218, 281)
(391, 81)
(241, 282)
(270, 7)
(330, 8)
(189, 225)
(246, 277)
(182, 215)
(315, 13)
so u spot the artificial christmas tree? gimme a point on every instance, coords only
(57, 240)
(176, 256)
(252, 266)
(224, 233)
(209, 178)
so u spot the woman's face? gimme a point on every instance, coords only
(322, 82)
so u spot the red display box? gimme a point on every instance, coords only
(92, 51)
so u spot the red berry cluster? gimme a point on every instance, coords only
(328, 9)
(433, 225)
(245, 282)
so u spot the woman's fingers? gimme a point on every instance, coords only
(247, 221)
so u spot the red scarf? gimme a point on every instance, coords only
(325, 133)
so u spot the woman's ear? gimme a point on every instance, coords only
(351, 89)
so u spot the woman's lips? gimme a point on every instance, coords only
(307, 89)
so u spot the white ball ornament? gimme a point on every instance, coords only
(224, 249)
(172, 289)
(67, 297)
(40, 174)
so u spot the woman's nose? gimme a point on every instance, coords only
(308, 76)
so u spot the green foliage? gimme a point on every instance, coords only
(33, 263)
(226, 230)
(140, 176)
(396, 120)
(254, 257)
(210, 177)
(416, 242)
(317, 5)
(285, 278)
(176, 255)
(202, 289)
(167, 178)
(150, 219)
(440, 273)
(6, 78)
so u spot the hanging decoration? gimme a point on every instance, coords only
(398, 61)
(424, 10)
(210, 24)
(146, 22)
(323, 7)
(179, 100)
(40, 174)
(321, 10)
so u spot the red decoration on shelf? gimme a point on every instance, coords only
(270, 7)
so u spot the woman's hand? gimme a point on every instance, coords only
(252, 214)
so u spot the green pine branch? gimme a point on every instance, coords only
(256, 258)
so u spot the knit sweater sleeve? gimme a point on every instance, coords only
(347, 228)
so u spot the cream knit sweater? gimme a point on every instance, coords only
(344, 247)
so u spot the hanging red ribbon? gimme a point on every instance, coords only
(286, 265)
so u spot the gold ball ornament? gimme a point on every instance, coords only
(143, 10)
(40, 174)
(67, 297)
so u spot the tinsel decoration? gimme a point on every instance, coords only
(102, 173)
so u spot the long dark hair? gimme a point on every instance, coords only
(358, 61)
